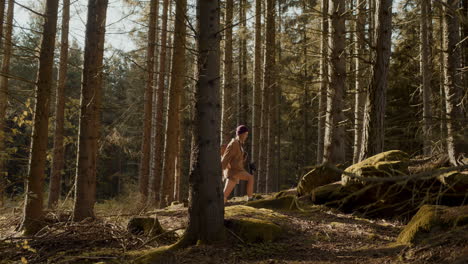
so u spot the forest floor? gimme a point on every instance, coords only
(314, 235)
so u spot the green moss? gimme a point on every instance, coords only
(240, 211)
(254, 225)
(328, 193)
(161, 255)
(386, 164)
(318, 176)
(432, 218)
(281, 203)
(253, 230)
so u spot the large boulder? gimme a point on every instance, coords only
(386, 164)
(431, 219)
(281, 203)
(329, 193)
(254, 225)
(318, 176)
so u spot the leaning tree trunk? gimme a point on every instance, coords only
(91, 88)
(146, 140)
(228, 117)
(257, 89)
(158, 143)
(373, 133)
(173, 117)
(59, 154)
(323, 81)
(426, 74)
(334, 148)
(33, 211)
(206, 210)
(360, 78)
(4, 73)
(453, 84)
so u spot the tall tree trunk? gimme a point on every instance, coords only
(59, 154)
(175, 92)
(228, 116)
(442, 110)
(264, 121)
(146, 140)
(360, 79)
(270, 87)
(4, 72)
(426, 74)
(334, 129)
(33, 211)
(206, 210)
(452, 83)
(373, 133)
(91, 89)
(2, 17)
(155, 96)
(242, 88)
(158, 143)
(257, 89)
(323, 81)
(278, 176)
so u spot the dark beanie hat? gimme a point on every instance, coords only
(241, 130)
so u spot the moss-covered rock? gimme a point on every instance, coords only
(386, 164)
(330, 192)
(281, 203)
(149, 226)
(456, 181)
(318, 176)
(433, 218)
(254, 225)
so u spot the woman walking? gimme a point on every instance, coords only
(232, 163)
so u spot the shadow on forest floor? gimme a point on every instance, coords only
(315, 235)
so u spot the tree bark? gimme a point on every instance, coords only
(59, 155)
(146, 140)
(206, 211)
(175, 93)
(270, 87)
(33, 208)
(228, 117)
(334, 129)
(426, 74)
(360, 79)
(158, 144)
(373, 133)
(91, 89)
(257, 89)
(452, 82)
(323, 81)
(5, 71)
(2, 17)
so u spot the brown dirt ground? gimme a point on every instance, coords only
(315, 235)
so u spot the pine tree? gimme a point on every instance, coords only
(33, 206)
(91, 89)
(59, 154)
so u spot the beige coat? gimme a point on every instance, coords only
(232, 161)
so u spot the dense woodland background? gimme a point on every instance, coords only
(313, 80)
